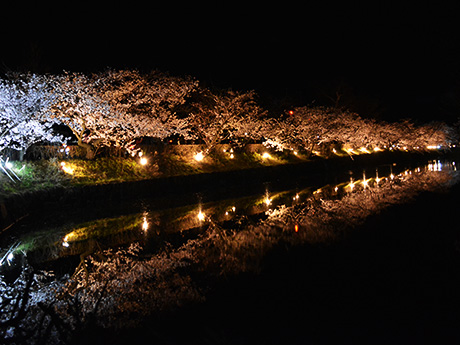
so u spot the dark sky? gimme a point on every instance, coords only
(386, 62)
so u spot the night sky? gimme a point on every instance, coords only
(386, 62)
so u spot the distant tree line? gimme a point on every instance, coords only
(119, 108)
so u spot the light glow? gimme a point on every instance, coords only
(201, 216)
(198, 156)
(67, 169)
(266, 155)
(351, 185)
(365, 181)
(435, 166)
(145, 224)
(143, 161)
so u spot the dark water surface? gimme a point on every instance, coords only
(369, 257)
(396, 280)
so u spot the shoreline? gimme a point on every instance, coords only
(15, 207)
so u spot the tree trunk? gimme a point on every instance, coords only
(88, 148)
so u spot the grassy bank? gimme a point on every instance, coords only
(44, 174)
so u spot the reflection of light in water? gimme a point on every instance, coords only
(436, 166)
(233, 209)
(145, 224)
(351, 185)
(365, 182)
(267, 199)
(377, 179)
(201, 216)
(296, 228)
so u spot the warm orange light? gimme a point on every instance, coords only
(144, 161)
(67, 169)
(199, 156)
(296, 228)
(145, 224)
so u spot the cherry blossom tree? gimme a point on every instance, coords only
(24, 120)
(149, 99)
(216, 117)
(94, 120)
(308, 128)
(436, 134)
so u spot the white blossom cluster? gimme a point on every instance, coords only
(314, 128)
(24, 120)
(116, 108)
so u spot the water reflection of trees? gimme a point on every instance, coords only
(117, 288)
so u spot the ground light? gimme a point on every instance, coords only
(6, 166)
(266, 155)
(145, 224)
(201, 216)
(198, 156)
(67, 169)
(267, 200)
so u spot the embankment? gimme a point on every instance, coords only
(168, 190)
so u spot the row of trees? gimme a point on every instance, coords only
(118, 108)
